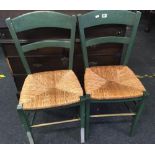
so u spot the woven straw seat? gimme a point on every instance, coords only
(112, 82)
(50, 89)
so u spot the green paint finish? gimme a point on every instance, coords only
(119, 100)
(23, 118)
(139, 110)
(87, 126)
(90, 101)
(82, 112)
(109, 39)
(42, 19)
(126, 54)
(46, 43)
(100, 17)
(33, 118)
(104, 17)
(25, 122)
(18, 46)
(38, 19)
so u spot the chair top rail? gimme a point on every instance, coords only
(39, 19)
(95, 18)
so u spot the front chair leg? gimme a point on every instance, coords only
(25, 123)
(82, 118)
(87, 118)
(139, 109)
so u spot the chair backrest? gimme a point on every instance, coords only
(42, 19)
(103, 17)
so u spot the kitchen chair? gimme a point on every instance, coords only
(49, 89)
(115, 83)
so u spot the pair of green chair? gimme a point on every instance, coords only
(61, 88)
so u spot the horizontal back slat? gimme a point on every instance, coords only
(40, 19)
(109, 39)
(95, 18)
(46, 43)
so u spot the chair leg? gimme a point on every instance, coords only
(139, 110)
(25, 123)
(33, 118)
(82, 118)
(87, 119)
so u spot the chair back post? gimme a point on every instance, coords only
(104, 17)
(126, 54)
(82, 40)
(42, 19)
(18, 46)
(71, 52)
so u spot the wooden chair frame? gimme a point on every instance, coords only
(40, 19)
(102, 17)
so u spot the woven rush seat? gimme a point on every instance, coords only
(112, 82)
(50, 89)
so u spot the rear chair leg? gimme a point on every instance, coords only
(82, 118)
(25, 123)
(139, 109)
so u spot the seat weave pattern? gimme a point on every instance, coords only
(50, 89)
(112, 82)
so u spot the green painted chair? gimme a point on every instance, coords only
(116, 83)
(49, 89)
